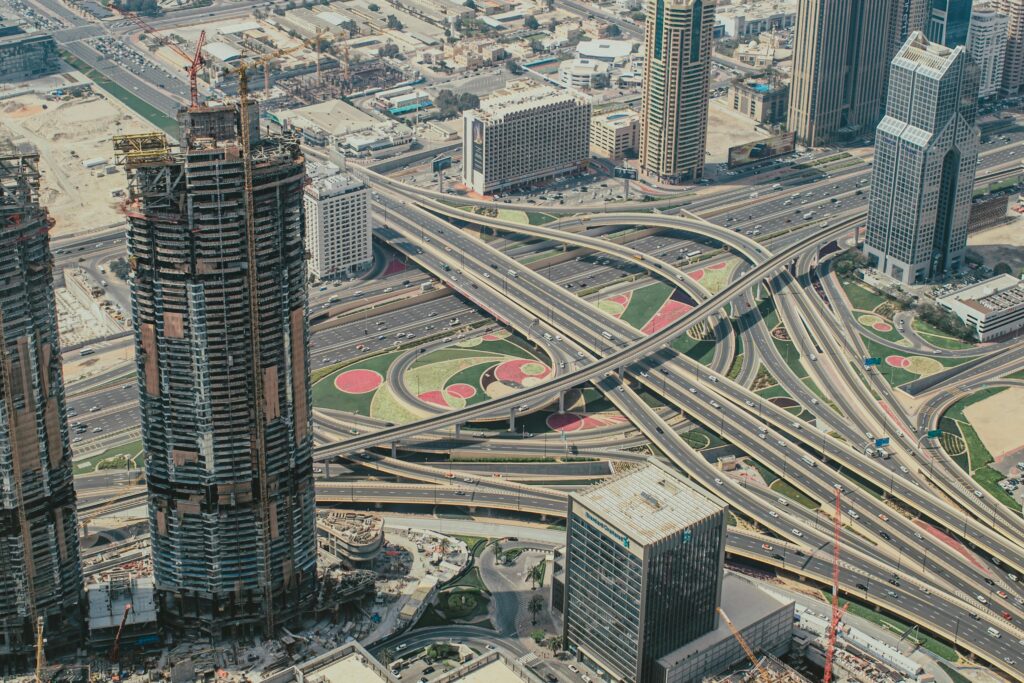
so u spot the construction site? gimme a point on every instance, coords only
(40, 567)
(302, 62)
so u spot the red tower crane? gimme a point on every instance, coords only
(837, 613)
(115, 651)
(195, 61)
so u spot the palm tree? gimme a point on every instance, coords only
(537, 573)
(535, 606)
(387, 656)
(555, 643)
(446, 545)
(497, 552)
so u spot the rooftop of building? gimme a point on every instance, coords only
(335, 117)
(351, 667)
(344, 664)
(605, 49)
(585, 66)
(521, 95)
(493, 672)
(745, 603)
(922, 53)
(996, 294)
(354, 527)
(649, 503)
(616, 117)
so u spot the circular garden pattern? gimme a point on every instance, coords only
(358, 381)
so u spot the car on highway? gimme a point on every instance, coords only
(719, 481)
(783, 501)
(767, 546)
(982, 599)
(853, 513)
(797, 533)
(885, 536)
(882, 516)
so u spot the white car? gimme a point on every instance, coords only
(798, 533)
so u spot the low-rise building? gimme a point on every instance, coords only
(25, 55)
(340, 126)
(762, 101)
(615, 134)
(523, 133)
(338, 231)
(345, 664)
(356, 539)
(610, 51)
(765, 623)
(748, 20)
(994, 308)
(584, 74)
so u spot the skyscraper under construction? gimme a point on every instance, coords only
(219, 306)
(40, 568)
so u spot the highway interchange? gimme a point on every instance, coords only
(896, 510)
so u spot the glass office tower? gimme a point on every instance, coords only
(948, 22)
(643, 569)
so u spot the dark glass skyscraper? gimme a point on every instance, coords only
(40, 568)
(221, 334)
(948, 22)
(643, 569)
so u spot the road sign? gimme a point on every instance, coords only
(934, 433)
(880, 443)
(441, 163)
(868, 362)
(625, 172)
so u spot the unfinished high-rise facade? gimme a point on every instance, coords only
(219, 306)
(40, 568)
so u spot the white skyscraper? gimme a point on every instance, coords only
(338, 232)
(926, 154)
(986, 43)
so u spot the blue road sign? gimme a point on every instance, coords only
(884, 441)
(934, 433)
(868, 362)
(625, 172)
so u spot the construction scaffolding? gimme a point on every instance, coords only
(216, 246)
(40, 567)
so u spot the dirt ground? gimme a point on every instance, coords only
(1000, 436)
(728, 128)
(83, 368)
(1003, 244)
(79, 199)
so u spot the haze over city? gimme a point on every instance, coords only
(500, 341)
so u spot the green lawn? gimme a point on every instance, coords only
(861, 296)
(701, 350)
(471, 541)
(158, 118)
(326, 395)
(977, 461)
(644, 303)
(116, 456)
(897, 376)
(937, 337)
(787, 490)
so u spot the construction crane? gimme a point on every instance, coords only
(762, 675)
(259, 455)
(115, 650)
(195, 61)
(40, 655)
(837, 613)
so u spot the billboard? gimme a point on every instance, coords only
(759, 150)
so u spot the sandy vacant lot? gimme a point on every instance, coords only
(78, 199)
(1000, 435)
(728, 128)
(1005, 243)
